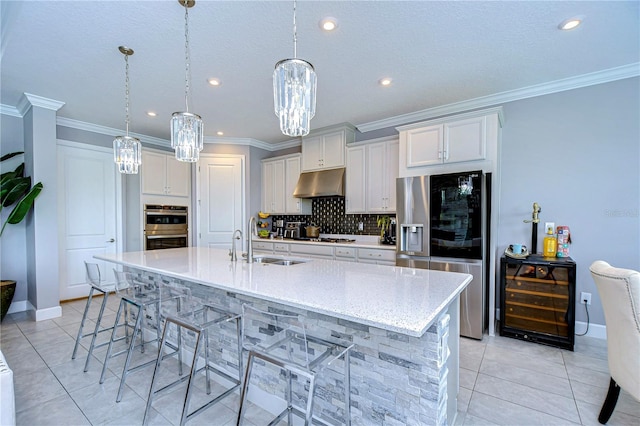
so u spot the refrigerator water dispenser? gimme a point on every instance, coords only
(411, 237)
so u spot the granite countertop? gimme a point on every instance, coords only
(402, 300)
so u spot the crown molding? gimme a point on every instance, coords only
(584, 80)
(110, 131)
(9, 110)
(28, 100)
(251, 142)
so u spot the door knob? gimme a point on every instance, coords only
(111, 240)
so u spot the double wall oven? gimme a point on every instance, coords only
(165, 227)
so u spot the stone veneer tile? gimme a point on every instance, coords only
(395, 379)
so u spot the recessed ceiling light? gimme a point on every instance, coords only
(571, 23)
(329, 24)
(214, 81)
(385, 81)
(151, 114)
(220, 133)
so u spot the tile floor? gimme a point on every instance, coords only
(502, 381)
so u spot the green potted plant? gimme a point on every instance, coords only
(383, 223)
(16, 191)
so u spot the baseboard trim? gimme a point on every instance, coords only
(597, 331)
(48, 313)
(20, 306)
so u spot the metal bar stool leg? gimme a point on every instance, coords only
(245, 389)
(312, 391)
(105, 296)
(132, 345)
(347, 388)
(152, 390)
(113, 338)
(194, 370)
(84, 317)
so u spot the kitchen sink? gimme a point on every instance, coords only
(278, 261)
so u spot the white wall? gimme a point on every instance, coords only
(576, 153)
(13, 248)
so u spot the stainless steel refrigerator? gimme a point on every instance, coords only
(442, 225)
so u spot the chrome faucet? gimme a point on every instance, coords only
(232, 252)
(251, 231)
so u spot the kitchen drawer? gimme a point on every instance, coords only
(281, 247)
(377, 255)
(345, 252)
(263, 246)
(312, 249)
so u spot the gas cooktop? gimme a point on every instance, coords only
(327, 240)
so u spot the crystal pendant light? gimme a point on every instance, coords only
(294, 91)
(187, 130)
(127, 149)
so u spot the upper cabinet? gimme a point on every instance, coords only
(382, 171)
(162, 174)
(430, 146)
(279, 178)
(372, 169)
(326, 149)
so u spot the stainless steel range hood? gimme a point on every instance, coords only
(323, 183)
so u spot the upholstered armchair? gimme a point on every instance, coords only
(619, 291)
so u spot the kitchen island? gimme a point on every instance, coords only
(403, 321)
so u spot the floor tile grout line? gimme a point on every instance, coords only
(58, 380)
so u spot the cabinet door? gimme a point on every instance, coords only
(273, 186)
(465, 140)
(376, 178)
(154, 171)
(392, 173)
(355, 190)
(278, 187)
(333, 150)
(312, 153)
(294, 205)
(267, 186)
(424, 146)
(178, 177)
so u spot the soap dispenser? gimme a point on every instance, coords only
(550, 242)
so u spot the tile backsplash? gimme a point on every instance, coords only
(329, 214)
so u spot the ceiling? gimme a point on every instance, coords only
(437, 53)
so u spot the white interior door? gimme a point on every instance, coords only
(88, 202)
(220, 199)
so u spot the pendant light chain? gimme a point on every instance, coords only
(187, 73)
(295, 32)
(126, 93)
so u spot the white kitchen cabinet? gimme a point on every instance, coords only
(262, 247)
(162, 174)
(345, 254)
(326, 150)
(355, 185)
(279, 178)
(273, 186)
(312, 251)
(452, 142)
(293, 205)
(377, 256)
(381, 174)
(372, 169)
(428, 147)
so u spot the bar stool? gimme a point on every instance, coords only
(192, 316)
(94, 279)
(282, 340)
(137, 297)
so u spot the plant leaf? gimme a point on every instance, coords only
(10, 155)
(24, 205)
(15, 189)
